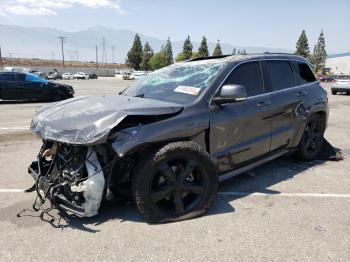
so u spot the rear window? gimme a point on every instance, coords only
(248, 75)
(303, 74)
(281, 74)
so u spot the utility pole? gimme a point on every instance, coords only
(96, 59)
(0, 58)
(113, 47)
(62, 40)
(104, 55)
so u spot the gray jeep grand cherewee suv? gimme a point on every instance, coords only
(169, 139)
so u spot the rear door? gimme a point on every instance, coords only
(286, 98)
(241, 131)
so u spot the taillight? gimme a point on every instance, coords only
(333, 81)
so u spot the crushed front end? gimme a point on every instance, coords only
(73, 178)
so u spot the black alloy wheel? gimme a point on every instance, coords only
(176, 182)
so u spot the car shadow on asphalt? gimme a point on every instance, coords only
(258, 180)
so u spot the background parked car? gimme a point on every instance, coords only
(39, 74)
(93, 76)
(67, 76)
(341, 84)
(81, 75)
(54, 75)
(26, 86)
(325, 78)
(139, 74)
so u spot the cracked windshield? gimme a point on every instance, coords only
(180, 83)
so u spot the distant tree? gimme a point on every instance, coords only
(196, 55)
(302, 46)
(134, 56)
(169, 58)
(157, 61)
(146, 56)
(203, 48)
(319, 55)
(180, 57)
(234, 51)
(217, 49)
(187, 49)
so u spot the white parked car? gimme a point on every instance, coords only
(138, 74)
(81, 75)
(67, 76)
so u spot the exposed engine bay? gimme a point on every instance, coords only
(76, 178)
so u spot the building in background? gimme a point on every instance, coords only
(338, 65)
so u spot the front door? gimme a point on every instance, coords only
(241, 131)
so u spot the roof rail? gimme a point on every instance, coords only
(207, 57)
(278, 53)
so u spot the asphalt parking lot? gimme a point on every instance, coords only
(286, 211)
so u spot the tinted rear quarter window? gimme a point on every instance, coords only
(248, 75)
(281, 74)
(303, 73)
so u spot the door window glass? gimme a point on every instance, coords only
(248, 75)
(281, 74)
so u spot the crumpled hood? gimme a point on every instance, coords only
(89, 119)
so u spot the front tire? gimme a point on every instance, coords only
(57, 97)
(311, 143)
(177, 182)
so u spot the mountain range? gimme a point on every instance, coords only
(35, 42)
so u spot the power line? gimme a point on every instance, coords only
(62, 40)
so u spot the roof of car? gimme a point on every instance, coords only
(234, 58)
(12, 72)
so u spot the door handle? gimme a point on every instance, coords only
(263, 104)
(301, 93)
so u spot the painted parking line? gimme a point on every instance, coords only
(315, 195)
(11, 190)
(14, 128)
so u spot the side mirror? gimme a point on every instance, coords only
(231, 93)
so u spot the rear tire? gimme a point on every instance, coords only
(334, 92)
(311, 143)
(177, 182)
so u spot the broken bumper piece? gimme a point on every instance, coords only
(76, 195)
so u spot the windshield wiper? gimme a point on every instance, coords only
(140, 95)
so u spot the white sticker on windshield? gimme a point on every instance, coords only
(191, 90)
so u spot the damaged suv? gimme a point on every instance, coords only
(169, 139)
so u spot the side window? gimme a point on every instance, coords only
(20, 77)
(248, 75)
(304, 74)
(7, 77)
(281, 74)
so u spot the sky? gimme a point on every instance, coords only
(265, 23)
